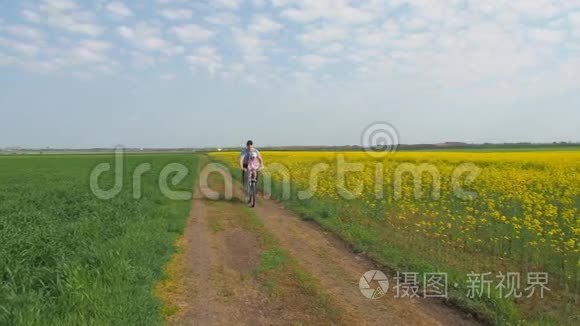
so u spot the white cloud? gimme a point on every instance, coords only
(415, 41)
(228, 4)
(119, 9)
(65, 15)
(60, 5)
(24, 32)
(173, 50)
(327, 33)
(332, 48)
(90, 51)
(20, 48)
(206, 58)
(314, 61)
(31, 16)
(262, 24)
(165, 2)
(547, 35)
(75, 26)
(95, 45)
(440, 42)
(372, 38)
(259, 3)
(177, 13)
(351, 15)
(250, 45)
(143, 36)
(126, 32)
(223, 18)
(300, 15)
(335, 10)
(192, 33)
(574, 18)
(536, 8)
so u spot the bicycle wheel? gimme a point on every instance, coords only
(252, 194)
(247, 187)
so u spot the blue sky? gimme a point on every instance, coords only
(168, 73)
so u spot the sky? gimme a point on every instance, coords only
(175, 73)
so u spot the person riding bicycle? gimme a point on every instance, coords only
(248, 154)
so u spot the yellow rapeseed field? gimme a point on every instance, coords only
(519, 209)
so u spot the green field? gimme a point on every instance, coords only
(69, 257)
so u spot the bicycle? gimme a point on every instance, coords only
(250, 185)
(251, 168)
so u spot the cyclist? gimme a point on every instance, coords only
(249, 152)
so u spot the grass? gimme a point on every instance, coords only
(392, 234)
(279, 272)
(389, 249)
(171, 288)
(392, 249)
(215, 225)
(68, 257)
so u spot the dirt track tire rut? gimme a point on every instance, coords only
(222, 254)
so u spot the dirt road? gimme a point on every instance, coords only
(266, 266)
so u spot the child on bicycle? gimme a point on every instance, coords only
(249, 154)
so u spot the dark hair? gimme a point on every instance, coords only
(249, 142)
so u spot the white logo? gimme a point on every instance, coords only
(379, 139)
(366, 282)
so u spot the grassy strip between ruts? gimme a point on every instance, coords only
(279, 272)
